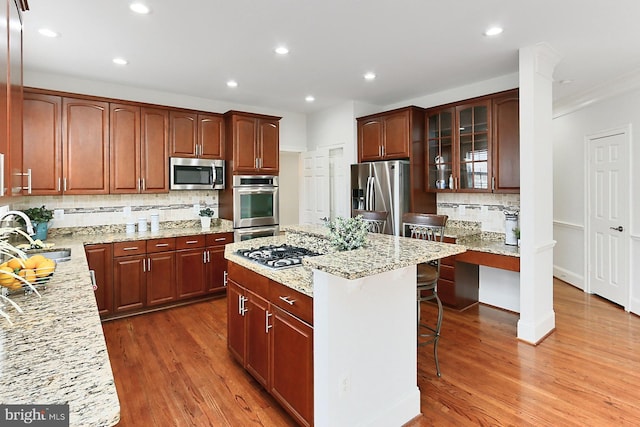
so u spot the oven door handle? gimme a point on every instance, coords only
(256, 190)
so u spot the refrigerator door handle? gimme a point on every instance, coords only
(370, 193)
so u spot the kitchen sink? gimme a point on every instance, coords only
(58, 255)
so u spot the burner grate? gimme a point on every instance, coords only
(277, 256)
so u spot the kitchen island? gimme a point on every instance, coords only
(364, 326)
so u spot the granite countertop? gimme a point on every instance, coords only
(382, 253)
(55, 351)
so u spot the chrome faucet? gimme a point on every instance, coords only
(22, 215)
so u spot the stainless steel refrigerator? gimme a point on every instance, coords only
(382, 186)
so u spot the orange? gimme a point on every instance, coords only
(28, 274)
(6, 279)
(45, 268)
(15, 264)
(30, 263)
(37, 258)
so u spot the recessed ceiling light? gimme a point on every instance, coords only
(139, 8)
(232, 83)
(120, 61)
(370, 76)
(281, 50)
(48, 33)
(493, 31)
(565, 81)
(309, 98)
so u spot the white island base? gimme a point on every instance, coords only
(365, 349)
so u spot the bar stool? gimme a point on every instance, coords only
(427, 227)
(377, 220)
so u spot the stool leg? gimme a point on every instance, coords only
(436, 337)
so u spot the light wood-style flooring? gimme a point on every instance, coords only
(172, 368)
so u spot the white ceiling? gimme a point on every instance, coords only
(416, 47)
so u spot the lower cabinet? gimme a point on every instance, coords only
(100, 260)
(161, 268)
(452, 293)
(129, 282)
(268, 336)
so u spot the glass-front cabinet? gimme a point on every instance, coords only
(459, 148)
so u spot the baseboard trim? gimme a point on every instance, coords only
(568, 276)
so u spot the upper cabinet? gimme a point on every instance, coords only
(387, 135)
(196, 134)
(254, 141)
(139, 149)
(468, 144)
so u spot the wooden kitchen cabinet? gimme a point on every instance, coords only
(254, 142)
(389, 135)
(139, 149)
(129, 282)
(190, 266)
(160, 271)
(100, 261)
(271, 342)
(216, 265)
(196, 134)
(452, 293)
(85, 146)
(473, 145)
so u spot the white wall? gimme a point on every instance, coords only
(569, 184)
(289, 188)
(292, 125)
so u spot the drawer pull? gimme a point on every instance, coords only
(161, 245)
(287, 300)
(131, 248)
(220, 239)
(191, 242)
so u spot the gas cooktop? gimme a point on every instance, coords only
(277, 257)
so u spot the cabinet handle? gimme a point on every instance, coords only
(139, 185)
(225, 276)
(144, 185)
(161, 245)
(191, 242)
(382, 150)
(287, 300)
(208, 256)
(255, 163)
(204, 257)
(59, 179)
(130, 248)
(144, 266)
(267, 326)
(241, 308)
(220, 239)
(64, 184)
(493, 183)
(28, 181)
(92, 274)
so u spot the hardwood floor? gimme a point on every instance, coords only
(172, 368)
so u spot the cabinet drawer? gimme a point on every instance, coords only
(449, 239)
(449, 261)
(292, 301)
(447, 272)
(188, 242)
(136, 247)
(253, 281)
(161, 245)
(219, 239)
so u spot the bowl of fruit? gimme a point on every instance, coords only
(26, 274)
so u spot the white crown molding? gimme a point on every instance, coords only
(622, 84)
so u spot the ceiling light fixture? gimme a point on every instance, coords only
(493, 31)
(309, 98)
(281, 50)
(565, 81)
(120, 61)
(232, 83)
(139, 8)
(370, 76)
(48, 33)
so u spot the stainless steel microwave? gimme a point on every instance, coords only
(196, 174)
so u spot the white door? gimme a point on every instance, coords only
(339, 194)
(608, 226)
(315, 197)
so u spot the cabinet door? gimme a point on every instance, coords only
(236, 321)
(506, 143)
(42, 143)
(397, 138)
(258, 325)
(154, 149)
(292, 365)
(369, 140)
(268, 135)
(124, 148)
(100, 260)
(183, 129)
(190, 273)
(216, 268)
(474, 149)
(210, 136)
(85, 146)
(244, 144)
(129, 282)
(439, 152)
(161, 278)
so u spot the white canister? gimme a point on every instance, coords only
(131, 227)
(142, 224)
(155, 222)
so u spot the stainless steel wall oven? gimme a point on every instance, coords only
(255, 206)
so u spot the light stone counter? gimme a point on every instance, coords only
(381, 254)
(55, 351)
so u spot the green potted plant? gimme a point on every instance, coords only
(40, 218)
(347, 234)
(205, 217)
(516, 231)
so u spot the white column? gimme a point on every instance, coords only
(537, 318)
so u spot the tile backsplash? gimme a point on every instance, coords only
(81, 211)
(484, 208)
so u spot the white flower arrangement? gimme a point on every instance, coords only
(348, 233)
